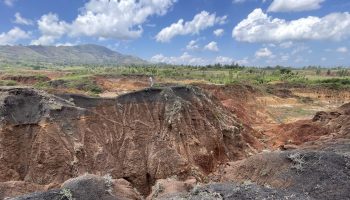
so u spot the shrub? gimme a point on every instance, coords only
(343, 72)
(285, 71)
(66, 194)
(297, 160)
(335, 83)
(7, 83)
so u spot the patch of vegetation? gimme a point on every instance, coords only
(108, 179)
(42, 85)
(334, 83)
(82, 77)
(40, 77)
(80, 82)
(7, 83)
(343, 72)
(297, 160)
(66, 194)
(36, 67)
(158, 188)
(86, 85)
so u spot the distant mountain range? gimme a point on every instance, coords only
(81, 55)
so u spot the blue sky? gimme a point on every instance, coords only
(251, 32)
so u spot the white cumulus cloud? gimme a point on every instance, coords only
(212, 46)
(259, 27)
(224, 60)
(200, 22)
(21, 20)
(192, 45)
(66, 44)
(51, 29)
(219, 32)
(117, 19)
(105, 19)
(184, 59)
(14, 35)
(187, 59)
(294, 5)
(263, 53)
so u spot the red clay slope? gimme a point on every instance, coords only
(141, 136)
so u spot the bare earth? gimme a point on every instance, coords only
(174, 142)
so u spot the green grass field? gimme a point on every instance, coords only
(80, 77)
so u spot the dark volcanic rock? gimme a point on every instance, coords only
(87, 187)
(49, 195)
(220, 191)
(24, 106)
(321, 172)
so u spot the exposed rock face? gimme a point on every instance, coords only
(141, 137)
(33, 131)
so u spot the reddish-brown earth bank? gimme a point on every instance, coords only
(140, 137)
(169, 143)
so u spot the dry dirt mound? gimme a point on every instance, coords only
(87, 187)
(296, 133)
(238, 99)
(324, 126)
(251, 104)
(318, 169)
(321, 173)
(141, 137)
(280, 92)
(122, 83)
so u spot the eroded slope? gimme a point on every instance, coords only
(141, 137)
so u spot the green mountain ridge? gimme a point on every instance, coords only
(80, 54)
